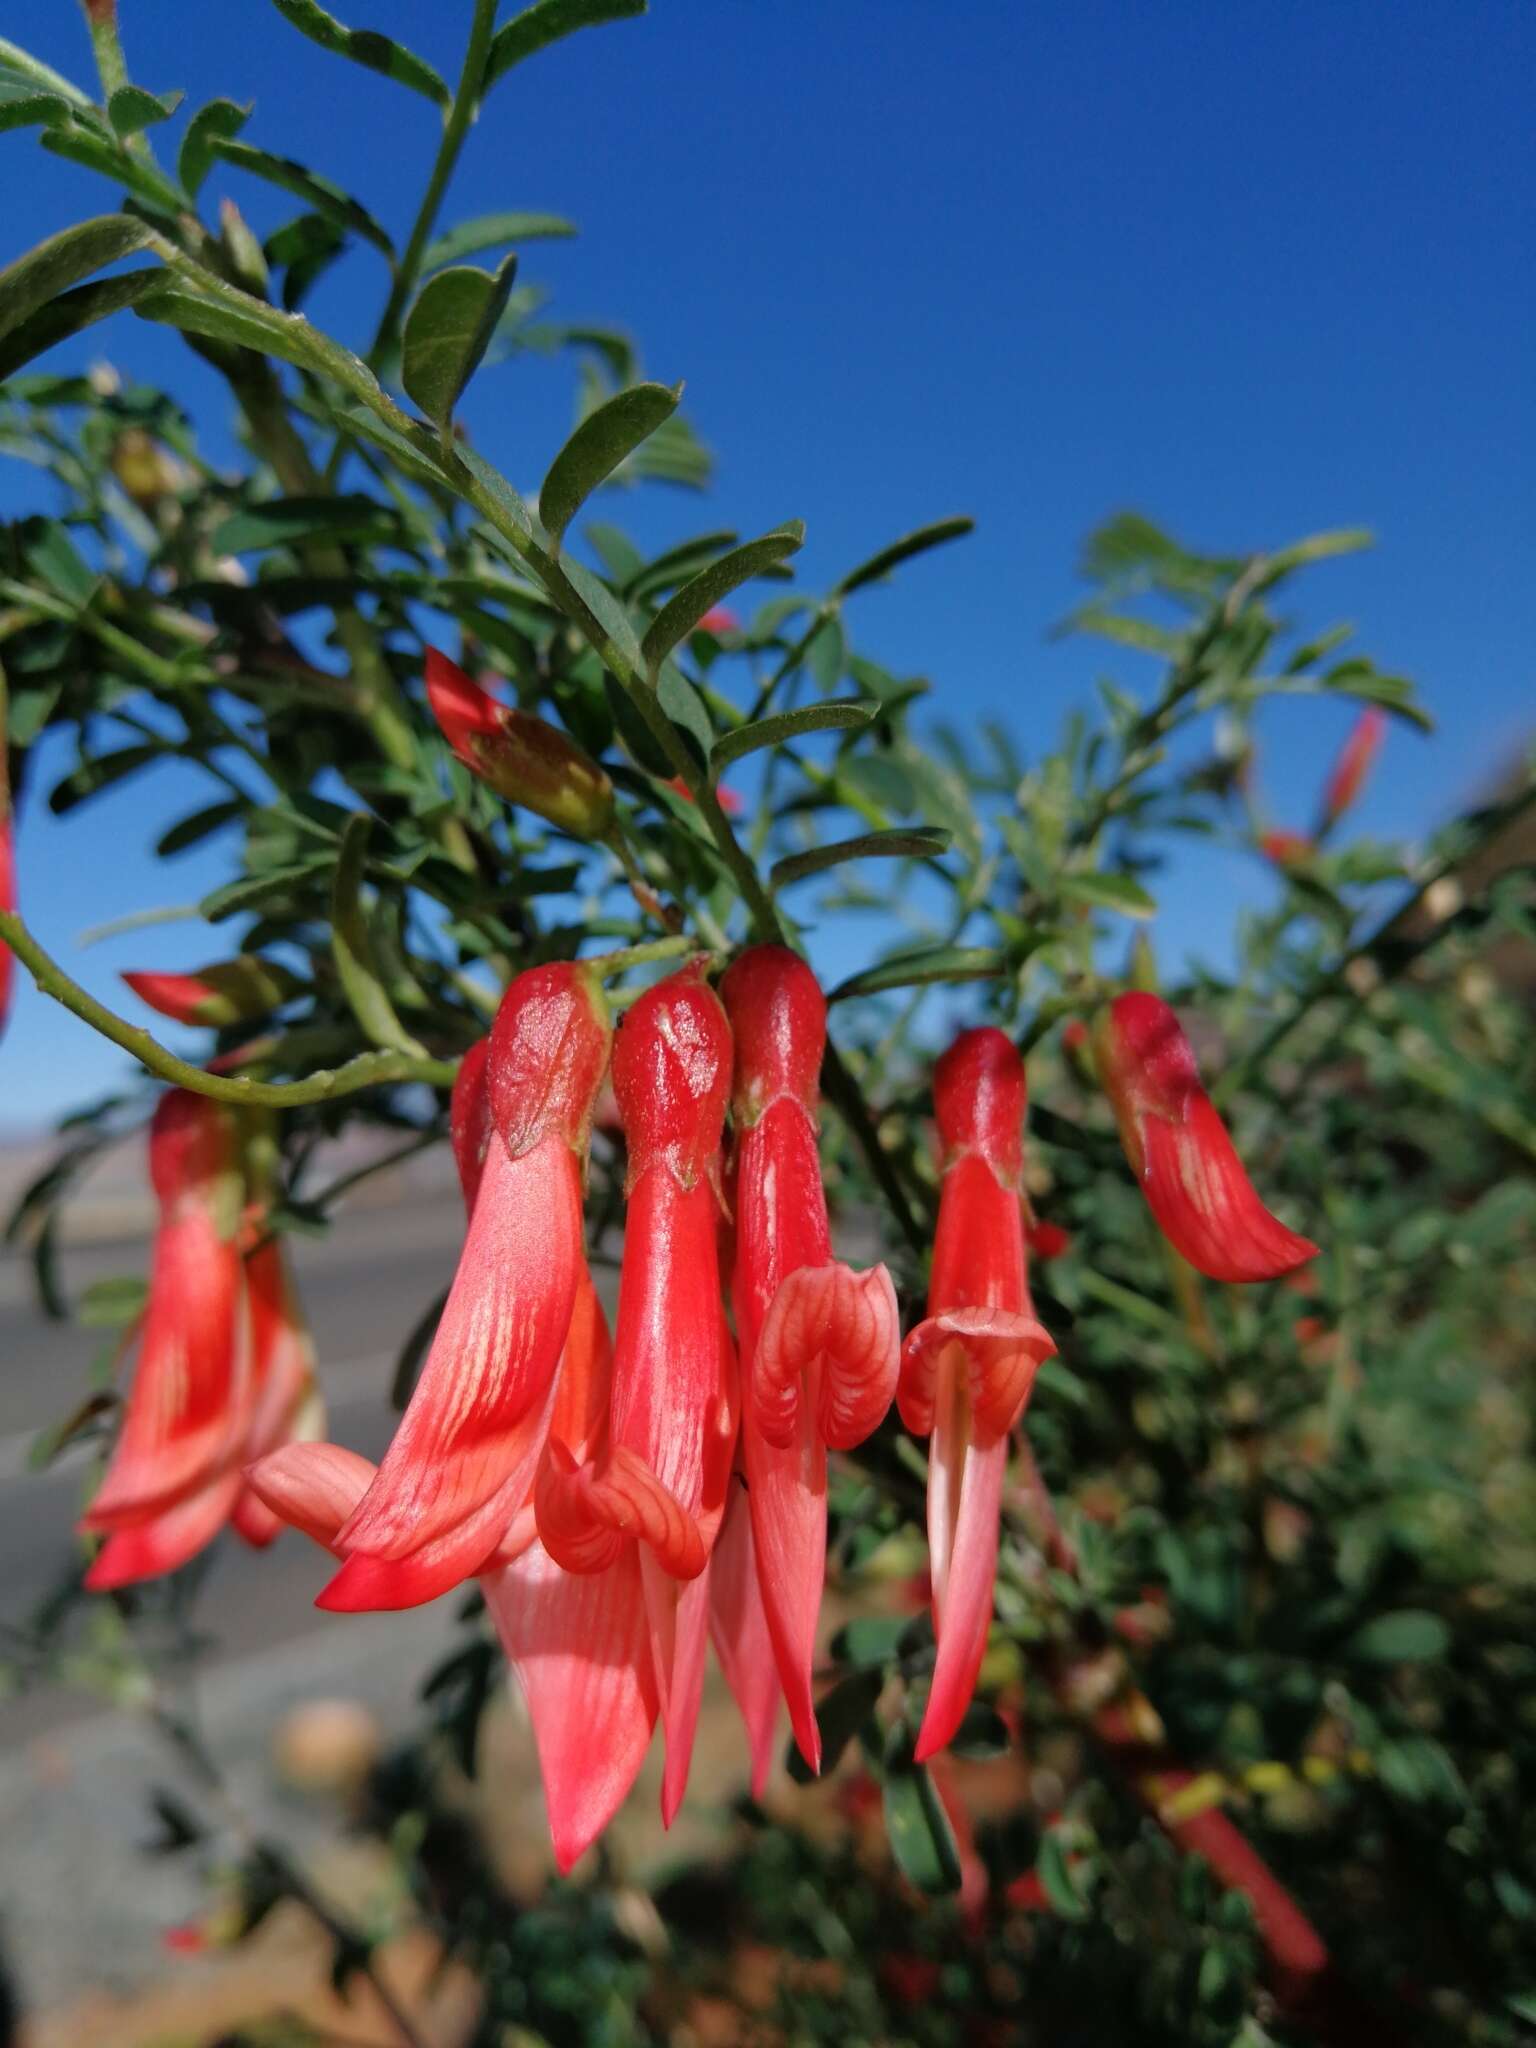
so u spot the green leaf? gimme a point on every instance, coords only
(131, 108)
(27, 285)
(678, 617)
(923, 843)
(840, 1713)
(352, 945)
(315, 191)
(366, 47)
(826, 652)
(249, 891)
(1408, 1635)
(110, 1304)
(197, 826)
(447, 332)
(493, 231)
(922, 1840)
(56, 561)
(686, 709)
(496, 487)
(33, 109)
(982, 1735)
(598, 446)
(850, 716)
(1108, 892)
(903, 550)
(1057, 1880)
(81, 141)
(256, 327)
(72, 312)
(219, 120)
(870, 1641)
(546, 22)
(283, 522)
(920, 967)
(98, 774)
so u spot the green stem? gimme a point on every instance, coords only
(466, 102)
(368, 1070)
(607, 965)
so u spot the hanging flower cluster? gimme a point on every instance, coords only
(225, 1369)
(626, 1500)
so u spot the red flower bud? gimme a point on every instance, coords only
(237, 991)
(1355, 760)
(1286, 849)
(1179, 1150)
(524, 759)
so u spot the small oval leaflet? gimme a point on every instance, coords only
(447, 333)
(680, 614)
(921, 844)
(597, 448)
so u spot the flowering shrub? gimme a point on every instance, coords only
(1195, 1715)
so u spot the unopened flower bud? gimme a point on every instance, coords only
(245, 253)
(237, 991)
(146, 471)
(523, 759)
(1356, 757)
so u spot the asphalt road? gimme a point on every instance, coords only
(363, 1286)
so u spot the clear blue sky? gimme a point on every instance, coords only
(1253, 270)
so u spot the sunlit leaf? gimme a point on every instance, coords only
(899, 551)
(922, 844)
(366, 47)
(32, 280)
(678, 617)
(919, 968)
(219, 120)
(493, 231)
(774, 731)
(446, 334)
(597, 448)
(546, 22)
(316, 191)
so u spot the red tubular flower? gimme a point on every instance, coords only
(579, 1643)
(820, 1344)
(658, 1476)
(471, 1126)
(1355, 759)
(1179, 1150)
(465, 1452)
(523, 758)
(174, 1476)
(738, 1628)
(286, 1405)
(966, 1372)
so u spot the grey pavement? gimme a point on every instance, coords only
(81, 1907)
